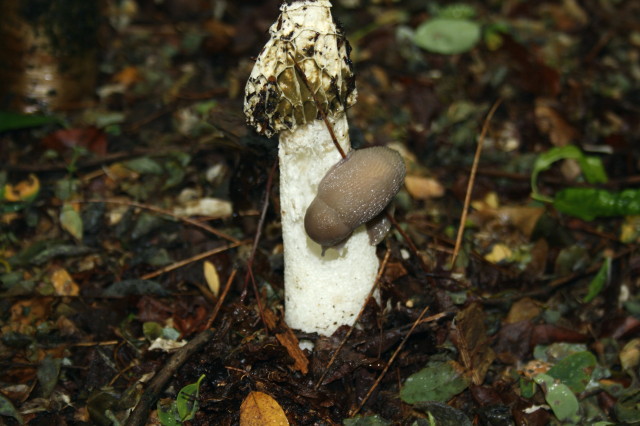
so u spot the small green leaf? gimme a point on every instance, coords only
(627, 407)
(527, 387)
(559, 397)
(438, 381)
(48, 373)
(14, 121)
(71, 221)
(574, 370)
(591, 167)
(447, 36)
(168, 415)
(597, 283)
(457, 11)
(151, 330)
(144, 165)
(187, 400)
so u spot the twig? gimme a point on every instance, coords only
(383, 265)
(318, 105)
(472, 179)
(192, 259)
(166, 213)
(256, 240)
(223, 296)
(386, 367)
(140, 414)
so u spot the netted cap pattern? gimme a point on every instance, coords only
(276, 97)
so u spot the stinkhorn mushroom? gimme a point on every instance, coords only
(302, 74)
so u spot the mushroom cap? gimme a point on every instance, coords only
(276, 97)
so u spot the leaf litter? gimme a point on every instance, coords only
(132, 220)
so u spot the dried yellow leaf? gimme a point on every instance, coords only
(259, 409)
(63, 283)
(25, 190)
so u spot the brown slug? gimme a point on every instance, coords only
(353, 192)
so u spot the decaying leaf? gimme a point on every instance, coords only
(25, 190)
(63, 283)
(260, 409)
(470, 336)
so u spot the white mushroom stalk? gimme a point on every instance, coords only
(322, 292)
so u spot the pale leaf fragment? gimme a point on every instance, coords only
(212, 277)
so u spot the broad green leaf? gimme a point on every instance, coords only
(560, 398)
(447, 36)
(438, 381)
(71, 221)
(15, 121)
(590, 203)
(574, 370)
(591, 167)
(597, 283)
(187, 400)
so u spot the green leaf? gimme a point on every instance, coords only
(597, 283)
(627, 407)
(144, 165)
(527, 387)
(559, 397)
(590, 203)
(574, 370)
(591, 167)
(457, 11)
(168, 415)
(187, 400)
(151, 330)
(71, 221)
(48, 373)
(8, 410)
(14, 121)
(447, 36)
(438, 381)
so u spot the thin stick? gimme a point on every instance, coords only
(383, 265)
(140, 414)
(223, 296)
(166, 213)
(192, 259)
(386, 367)
(472, 179)
(318, 105)
(256, 240)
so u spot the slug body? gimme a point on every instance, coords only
(354, 192)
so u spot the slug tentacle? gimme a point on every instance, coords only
(353, 192)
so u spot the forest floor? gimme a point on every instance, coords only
(133, 250)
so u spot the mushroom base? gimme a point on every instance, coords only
(321, 292)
